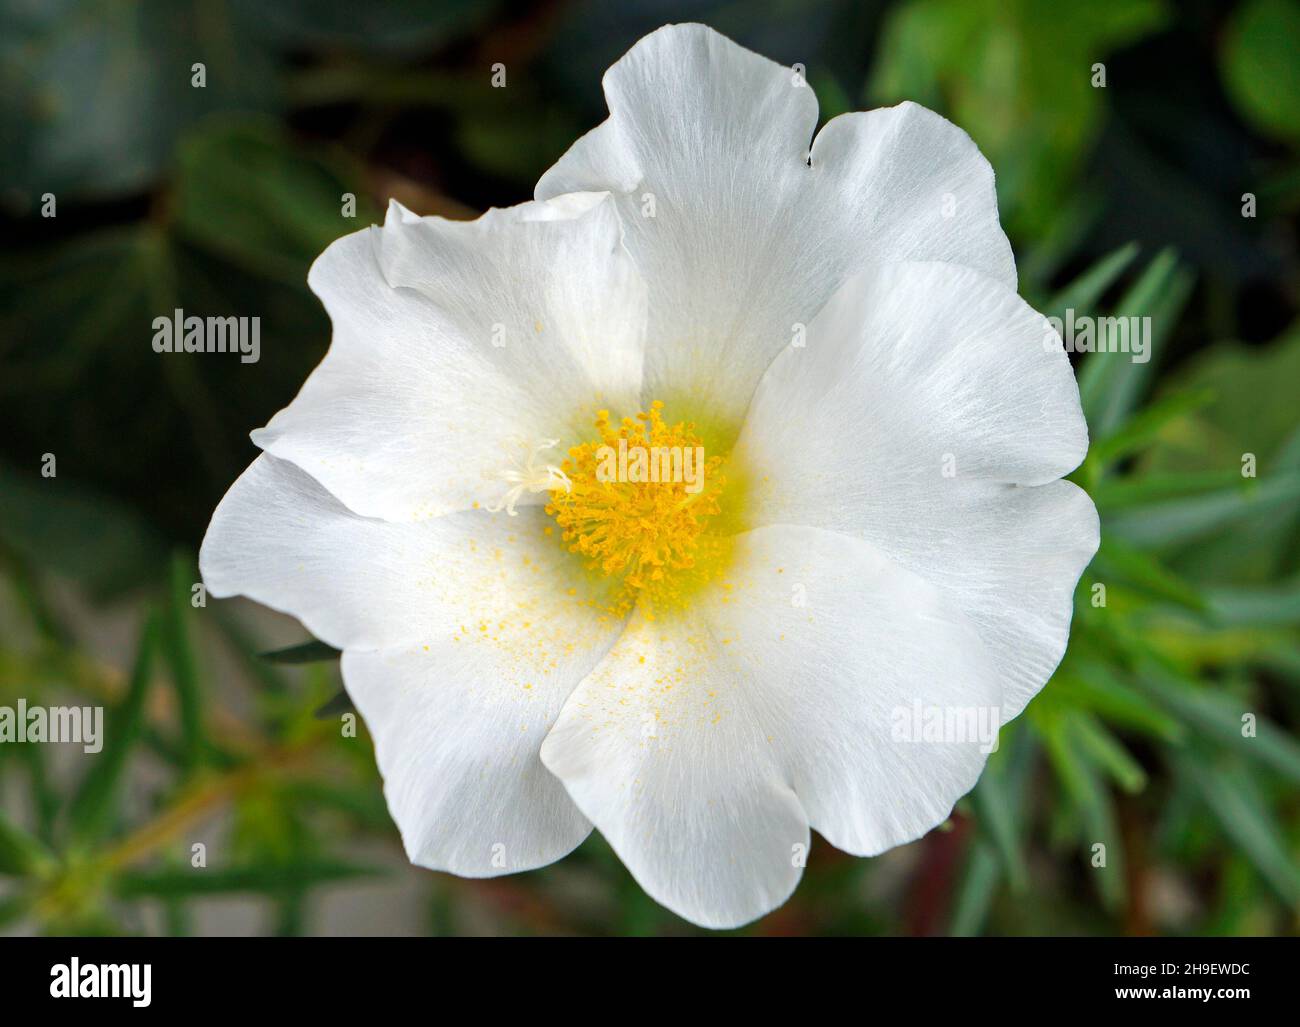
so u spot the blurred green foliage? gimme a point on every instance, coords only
(1260, 67)
(1019, 78)
(1125, 199)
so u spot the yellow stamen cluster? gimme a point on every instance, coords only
(650, 534)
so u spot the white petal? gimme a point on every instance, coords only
(356, 583)
(747, 238)
(702, 747)
(479, 643)
(928, 402)
(453, 338)
(457, 731)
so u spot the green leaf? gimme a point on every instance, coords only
(1109, 753)
(1166, 524)
(178, 918)
(364, 805)
(290, 913)
(994, 808)
(307, 652)
(21, 854)
(1260, 68)
(44, 521)
(45, 800)
(95, 804)
(180, 658)
(1253, 407)
(1122, 564)
(1218, 715)
(1255, 607)
(1111, 384)
(976, 890)
(1236, 803)
(1095, 686)
(1083, 293)
(1076, 771)
(1252, 419)
(245, 192)
(998, 849)
(1283, 661)
(13, 908)
(1124, 493)
(1144, 428)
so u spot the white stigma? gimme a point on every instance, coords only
(524, 474)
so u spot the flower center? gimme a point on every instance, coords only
(637, 503)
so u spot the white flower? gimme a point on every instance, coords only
(881, 532)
